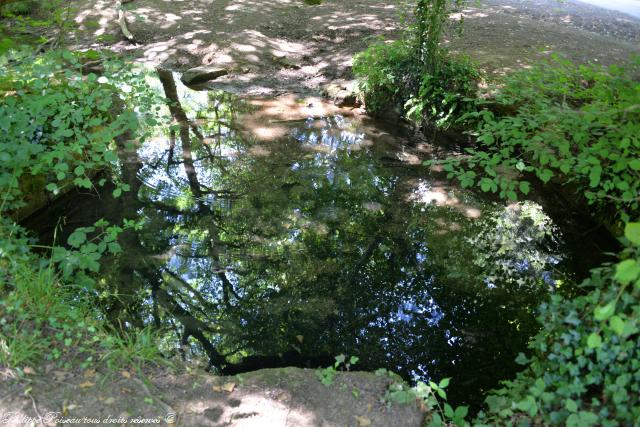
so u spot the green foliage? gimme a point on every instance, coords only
(415, 74)
(326, 375)
(585, 366)
(63, 126)
(42, 317)
(24, 18)
(58, 127)
(578, 125)
(432, 397)
(23, 7)
(132, 349)
(387, 74)
(431, 17)
(445, 94)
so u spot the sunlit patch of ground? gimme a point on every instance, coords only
(503, 36)
(269, 397)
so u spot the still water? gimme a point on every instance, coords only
(264, 238)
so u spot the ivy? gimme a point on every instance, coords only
(586, 364)
(576, 125)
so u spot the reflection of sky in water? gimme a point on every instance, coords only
(401, 301)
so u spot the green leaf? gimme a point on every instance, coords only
(110, 156)
(524, 187)
(605, 312)
(526, 404)
(461, 412)
(617, 325)
(448, 411)
(444, 383)
(594, 176)
(635, 164)
(594, 341)
(627, 271)
(632, 232)
(545, 175)
(571, 405)
(117, 192)
(77, 238)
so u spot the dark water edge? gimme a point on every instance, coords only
(331, 238)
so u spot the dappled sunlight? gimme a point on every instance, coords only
(504, 38)
(96, 18)
(272, 117)
(441, 194)
(266, 46)
(253, 410)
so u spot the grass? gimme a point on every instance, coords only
(42, 318)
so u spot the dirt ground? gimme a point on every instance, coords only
(276, 46)
(504, 35)
(287, 397)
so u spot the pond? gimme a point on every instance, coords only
(272, 233)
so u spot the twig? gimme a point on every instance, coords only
(35, 407)
(122, 21)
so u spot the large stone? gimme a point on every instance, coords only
(343, 94)
(202, 74)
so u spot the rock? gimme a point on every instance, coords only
(295, 397)
(202, 74)
(342, 94)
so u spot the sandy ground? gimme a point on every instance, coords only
(275, 46)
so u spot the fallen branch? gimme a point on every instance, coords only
(122, 19)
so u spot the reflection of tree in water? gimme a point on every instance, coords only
(307, 248)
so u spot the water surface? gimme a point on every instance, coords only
(263, 241)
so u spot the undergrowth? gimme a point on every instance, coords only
(575, 125)
(64, 118)
(392, 77)
(45, 318)
(415, 75)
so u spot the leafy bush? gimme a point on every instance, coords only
(388, 74)
(573, 124)
(445, 94)
(415, 74)
(391, 75)
(57, 127)
(585, 369)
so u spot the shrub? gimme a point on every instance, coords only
(573, 124)
(388, 75)
(585, 369)
(391, 76)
